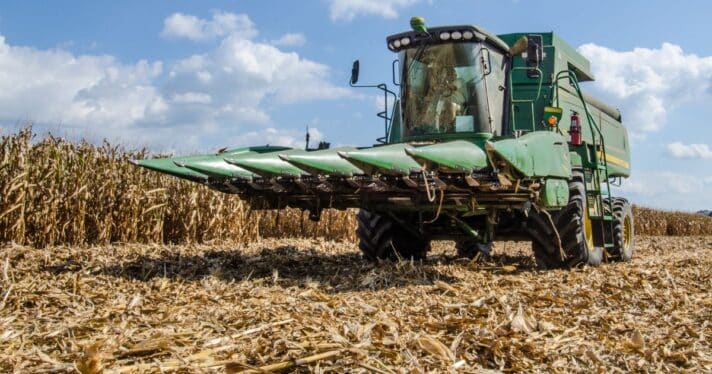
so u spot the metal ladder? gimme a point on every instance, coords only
(600, 180)
(528, 102)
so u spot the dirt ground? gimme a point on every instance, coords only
(317, 306)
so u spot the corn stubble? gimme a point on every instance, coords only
(55, 192)
(315, 306)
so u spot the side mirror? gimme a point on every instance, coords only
(535, 53)
(354, 72)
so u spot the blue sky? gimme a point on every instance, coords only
(191, 76)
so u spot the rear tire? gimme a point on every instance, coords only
(622, 230)
(574, 228)
(382, 238)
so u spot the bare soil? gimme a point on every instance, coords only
(310, 305)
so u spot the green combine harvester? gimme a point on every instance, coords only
(490, 138)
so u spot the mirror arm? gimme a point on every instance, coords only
(382, 86)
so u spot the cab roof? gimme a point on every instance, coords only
(435, 35)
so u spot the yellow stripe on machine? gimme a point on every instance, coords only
(614, 160)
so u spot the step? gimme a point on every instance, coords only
(605, 217)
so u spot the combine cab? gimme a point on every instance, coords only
(490, 138)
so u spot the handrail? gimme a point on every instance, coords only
(384, 113)
(529, 101)
(591, 122)
(592, 125)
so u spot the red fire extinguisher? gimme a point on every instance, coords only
(575, 129)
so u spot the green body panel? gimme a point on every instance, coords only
(269, 164)
(454, 156)
(169, 166)
(555, 193)
(215, 166)
(536, 154)
(218, 168)
(575, 159)
(531, 95)
(327, 162)
(200, 167)
(396, 128)
(388, 159)
(615, 136)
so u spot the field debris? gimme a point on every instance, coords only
(155, 308)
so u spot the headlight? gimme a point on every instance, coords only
(456, 35)
(390, 46)
(396, 43)
(405, 41)
(444, 35)
(468, 35)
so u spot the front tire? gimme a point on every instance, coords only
(382, 238)
(574, 227)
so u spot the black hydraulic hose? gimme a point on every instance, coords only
(507, 97)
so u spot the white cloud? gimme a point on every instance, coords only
(652, 184)
(349, 9)
(647, 83)
(196, 101)
(179, 25)
(290, 40)
(667, 189)
(284, 137)
(192, 98)
(680, 150)
(315, 135)
(241, 75)
(53, 86)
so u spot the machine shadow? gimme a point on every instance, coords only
(288, 266)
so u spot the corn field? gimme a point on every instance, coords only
(660, 222)
(56, 192)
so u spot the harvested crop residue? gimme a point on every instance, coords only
(312, 305)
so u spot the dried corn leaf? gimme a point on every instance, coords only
(91, 360)
(436, 348)
(520, 322)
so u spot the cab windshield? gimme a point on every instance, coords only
(452, 88)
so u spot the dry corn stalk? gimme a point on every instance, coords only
(56, 192)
